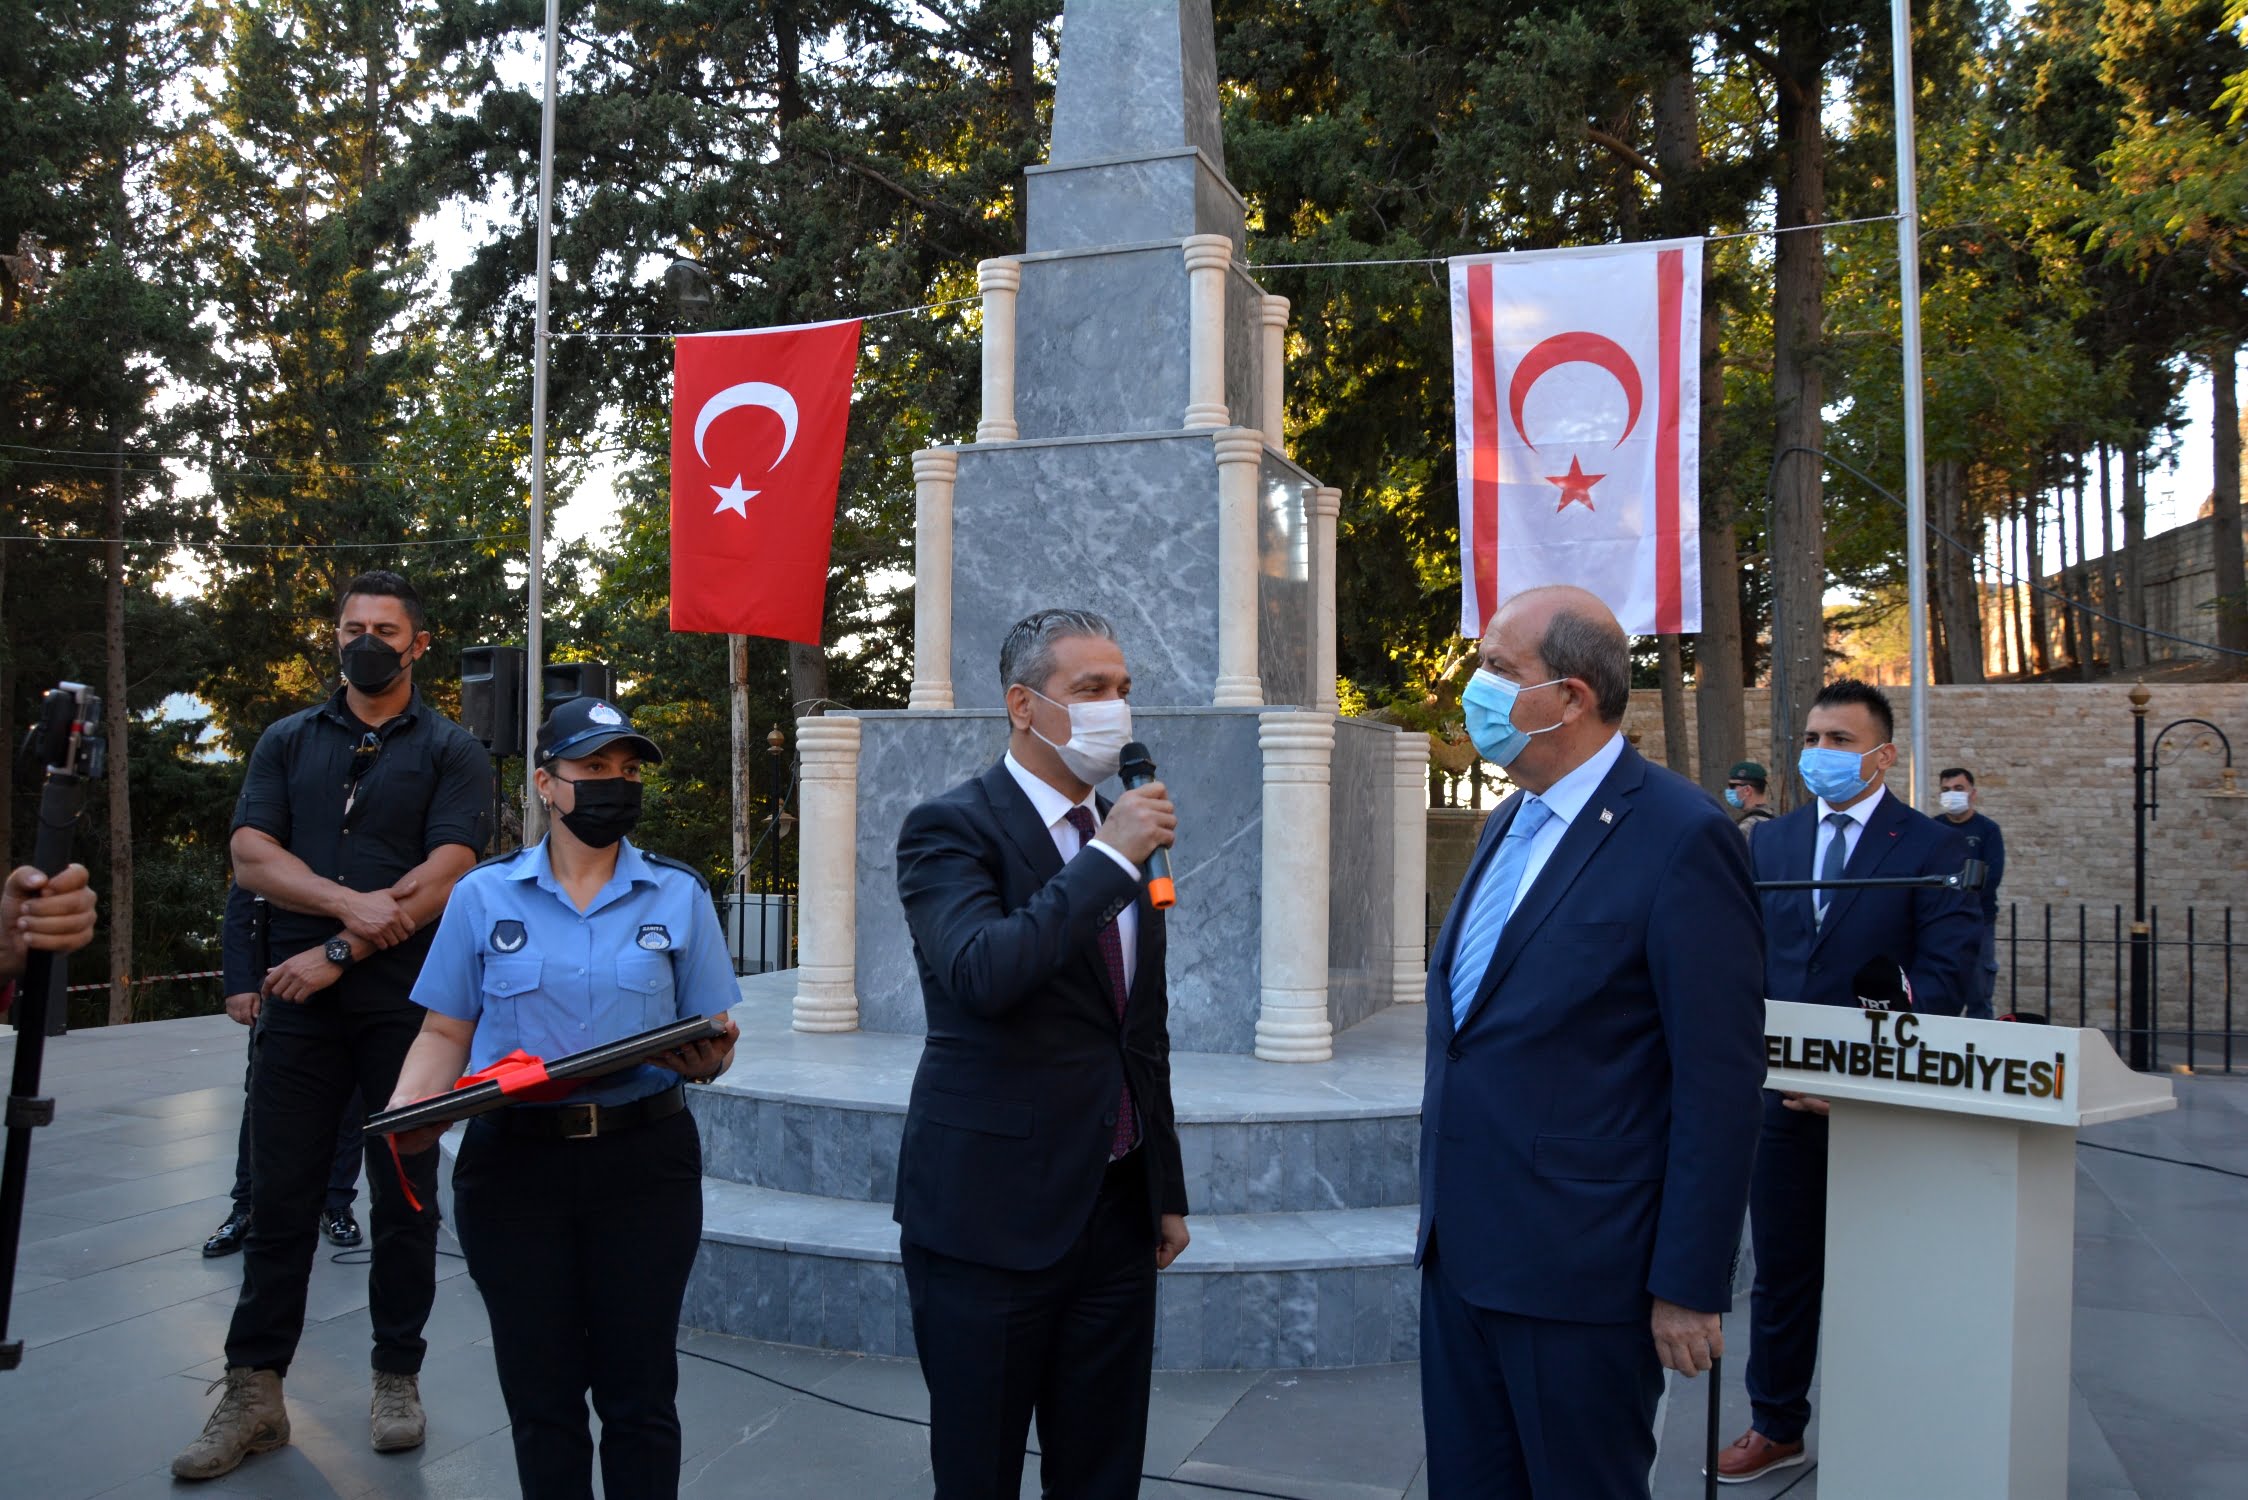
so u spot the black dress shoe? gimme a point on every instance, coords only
(340, 1227)
(228, 1237)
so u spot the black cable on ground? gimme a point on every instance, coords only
(891, 1416)
(1808, 1470)
(2173, 1161)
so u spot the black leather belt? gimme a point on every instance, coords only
(585, 1122)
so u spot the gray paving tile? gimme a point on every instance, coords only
(123, 1199)
(2093, 1467)
(67, 1308)
(87, 1248)
(1318, 1433)
(2166, 1393)
(1184, 1406)
(810, 1451)
(2128, 1273)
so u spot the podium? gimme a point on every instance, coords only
(1950, 1241)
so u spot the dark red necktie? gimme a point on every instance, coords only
(1112, 953)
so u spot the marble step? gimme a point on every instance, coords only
(1285, 1290)
(767, 1138)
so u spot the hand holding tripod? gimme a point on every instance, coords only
(68, 742)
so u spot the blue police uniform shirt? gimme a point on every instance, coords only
(517, 958)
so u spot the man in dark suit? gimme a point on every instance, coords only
(1815, 944)
(1039, 1185)
(1595, 1045)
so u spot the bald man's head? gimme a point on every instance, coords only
(1571, 633)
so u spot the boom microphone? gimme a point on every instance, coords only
(1880, 984)
(1137, 768)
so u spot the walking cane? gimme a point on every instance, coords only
(1709, 1441)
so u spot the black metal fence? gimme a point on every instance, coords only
(2072, 965)
(759, 924)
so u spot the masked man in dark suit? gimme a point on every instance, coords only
(1595, 1046)
(1039, 1185)
(1816, 944)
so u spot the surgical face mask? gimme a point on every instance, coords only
(1834, 776)
(369, 665)
(1488, 704)
(1098, 733)
(1733, 796)
(602, 811)
(1952, 802)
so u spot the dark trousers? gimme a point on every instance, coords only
(1073, 1344)
(1787, 1225)
(311, 1058)
(343, 1171)
(1531, 1409)
(582, 1251)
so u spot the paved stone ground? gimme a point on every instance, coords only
(124, 1322)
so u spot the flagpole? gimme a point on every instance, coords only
(534, 820)
(1916, 476)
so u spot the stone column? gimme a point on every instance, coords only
(1208, 259)
(1292, 1022)
(934, 470)
(998, 280)
(827, 875)
(1275, 382)
(1409, 879)
(1326, 506)
(1240, 467)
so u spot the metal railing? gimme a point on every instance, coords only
(2073, 966)
(759, 924)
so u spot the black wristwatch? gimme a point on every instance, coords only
(338, 951)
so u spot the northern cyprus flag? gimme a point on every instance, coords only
(1576, 381)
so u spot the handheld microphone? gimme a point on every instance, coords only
(1880, 984)
(1137, 768)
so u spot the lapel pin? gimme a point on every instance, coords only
(1606, 816)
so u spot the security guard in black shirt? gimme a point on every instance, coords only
(356, 817)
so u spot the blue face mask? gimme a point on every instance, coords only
(1733, 796)
(1489, 706)
(1834, 775)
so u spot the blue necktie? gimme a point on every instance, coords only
(1494, 903)
(1837, 855)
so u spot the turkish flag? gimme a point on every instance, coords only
(1576, 379)
(757, 424)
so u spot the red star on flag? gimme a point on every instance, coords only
(1575, 485)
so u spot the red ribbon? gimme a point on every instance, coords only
(521, 1076)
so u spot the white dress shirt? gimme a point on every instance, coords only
(1566, 799)
(1857, 813)
(1053, 810)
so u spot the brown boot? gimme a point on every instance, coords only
(395, 1420)
(250, 1419)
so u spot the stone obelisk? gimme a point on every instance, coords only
(1130, 459)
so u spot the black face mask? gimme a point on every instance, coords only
(371, 666)
(606, 810)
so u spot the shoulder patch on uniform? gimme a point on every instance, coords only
(675, 864)
(655, 937)
(508, 936)
(493, 859)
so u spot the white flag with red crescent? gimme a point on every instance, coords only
(1576, 378)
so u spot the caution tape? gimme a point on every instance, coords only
(151, 979)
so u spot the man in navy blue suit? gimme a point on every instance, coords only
(1815, 944)
(1595, 1047)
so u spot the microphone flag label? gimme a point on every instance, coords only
(1576, 384)
(757, 427)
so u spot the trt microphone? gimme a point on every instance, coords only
(1137, 768)
(1880, 984)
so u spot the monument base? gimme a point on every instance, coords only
(1304, 1183)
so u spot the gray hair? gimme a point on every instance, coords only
(1593, 651)
(1027, 655)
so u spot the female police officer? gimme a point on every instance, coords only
(580, 1219)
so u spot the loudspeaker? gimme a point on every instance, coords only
(492, 697)
(564, 680)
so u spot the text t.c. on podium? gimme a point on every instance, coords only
(1950, 1241)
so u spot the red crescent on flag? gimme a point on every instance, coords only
(1574, 349)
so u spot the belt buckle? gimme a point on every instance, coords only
(572, 1114)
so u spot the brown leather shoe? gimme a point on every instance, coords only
(1753, 1455)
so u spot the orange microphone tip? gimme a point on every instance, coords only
(1161, 893)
